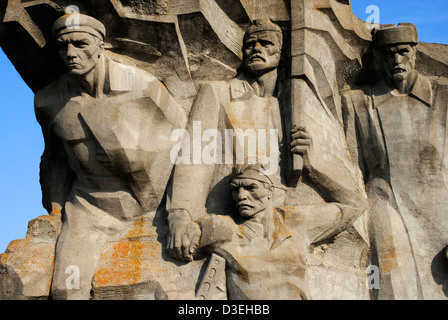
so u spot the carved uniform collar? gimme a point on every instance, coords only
(421, 90)
(240, 89)
(251, 230)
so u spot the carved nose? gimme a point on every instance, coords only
(71, 51)
(242, 194)
(258, 47)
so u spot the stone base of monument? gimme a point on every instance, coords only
(138, 267)
(135, 266)
(26, 267)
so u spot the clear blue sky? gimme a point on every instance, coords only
(21, 142)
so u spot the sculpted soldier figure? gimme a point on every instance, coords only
(266, 247)
(249, 102)
(397, 131)
(246, 102)
(105, 126)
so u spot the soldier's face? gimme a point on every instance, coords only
(262, 51)
(251, 197)
(399, 61)
(80, 51)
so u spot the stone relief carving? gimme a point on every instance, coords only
(106, 128)
(398, 124)
(245, 102)
(266, 248)
(222, 150)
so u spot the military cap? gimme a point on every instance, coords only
(392, 34)
(261, 25)
(77, 22)
(250, 171)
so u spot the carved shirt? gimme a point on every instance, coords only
(400, 143)
(274, 268)
(221, 107)
(109, 139)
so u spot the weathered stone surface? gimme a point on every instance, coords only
(400, 123)
(26, 267)
(141, 219)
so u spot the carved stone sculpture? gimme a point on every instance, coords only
(106, 127)
(397, 131)
(246, 103)
(266, 248)
(147, 107)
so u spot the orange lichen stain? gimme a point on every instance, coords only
(123, 262)
(388, 256)
(290, 211)
(3, 259)
(16, 245)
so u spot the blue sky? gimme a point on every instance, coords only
(21, 142)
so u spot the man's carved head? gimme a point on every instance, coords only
(262, 47)
(252, 190)
(80, 40)
(398, 49)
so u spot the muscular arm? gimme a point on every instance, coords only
(340, 183)
(56, 178)
(191, 180)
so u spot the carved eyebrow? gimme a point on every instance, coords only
(80, 42)
(247, 185)
(265, 41)
(250, 42)
(61, 40)
(250, 185)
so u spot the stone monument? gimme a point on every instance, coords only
(399, 124)
(237, 149)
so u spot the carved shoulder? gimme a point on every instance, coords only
(49, 100)
(209, 99)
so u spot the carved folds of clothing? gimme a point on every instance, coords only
(100, 157)
(400, 143)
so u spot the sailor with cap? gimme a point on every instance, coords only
(397, 46)
(80, 40)
(101, 140)
(266, 247)
(247, 102)
(250, 101)
(396, 129)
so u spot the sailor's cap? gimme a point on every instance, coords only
(77, 22)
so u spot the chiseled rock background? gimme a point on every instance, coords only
(184, 43)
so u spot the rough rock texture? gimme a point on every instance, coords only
(26, 267)
(163, 52)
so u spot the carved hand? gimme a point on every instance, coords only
(183, 239)
(301, 144)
